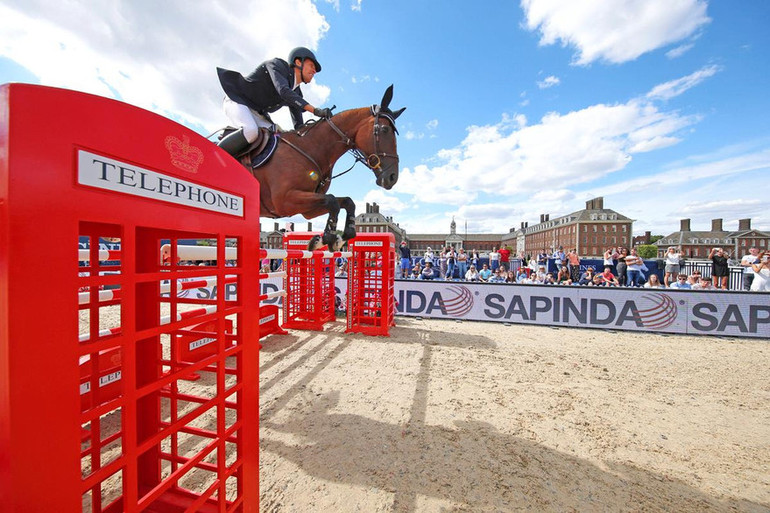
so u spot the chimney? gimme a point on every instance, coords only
(599, 203)
(716, 225)
(684, 225)
(275, 227)
(547, 217)
(542, 218)
(309, 226)
(647, 237)
(375, 208)
(744, 224)
(590, 205)
(522, 225)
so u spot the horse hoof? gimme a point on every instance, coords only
(314, 243)
(349, 234)
(337, 244)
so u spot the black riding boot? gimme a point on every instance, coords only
(234, 143)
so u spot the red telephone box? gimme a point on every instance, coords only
(309, 285)
(371, 284)
(76, 168)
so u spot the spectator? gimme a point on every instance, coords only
(540, 273)
(609, 257)
(462, 262)
(542, 259)
(510, 277)
(746, 263)
(719, 269)
(533, 266)
(680, 283)
(451, 262)
(672, 265)
(415, 275)
(563, 277)
(587, 278)
(607, 278)
(494, 259)
(549, 280)
(559, 258)
(505, 257)
(485, 273)
(653, 282)
(621, 265)
(521, 275)
(634, 265)
(406, 259)
(429, 256)
(472, 274)
(761, 281)
(704, 285)
(428, 273)
(342, 271)
(417, 269)
(497, 277)
(475, 260)
(573, 263)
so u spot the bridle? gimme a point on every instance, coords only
(373, 161)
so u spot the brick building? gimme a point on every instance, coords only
(698, 244)
(373, 222)
(591, 231)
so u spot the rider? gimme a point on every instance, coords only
(274, 84)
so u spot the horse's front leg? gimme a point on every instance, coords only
(350, 218)
(330, 238)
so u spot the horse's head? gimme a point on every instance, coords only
(376, 140)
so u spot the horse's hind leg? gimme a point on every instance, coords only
(350, 217)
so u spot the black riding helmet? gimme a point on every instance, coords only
(303, 53)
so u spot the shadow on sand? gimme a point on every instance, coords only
(471, 465)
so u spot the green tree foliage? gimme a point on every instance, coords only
(647, 250)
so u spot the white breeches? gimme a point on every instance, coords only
(244, 117)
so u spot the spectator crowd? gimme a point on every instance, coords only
(622, 267)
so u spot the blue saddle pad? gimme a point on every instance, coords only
(264, 155)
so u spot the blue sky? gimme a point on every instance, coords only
(514, 108)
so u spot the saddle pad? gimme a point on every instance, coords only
(266, 153)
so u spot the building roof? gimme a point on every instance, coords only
(687, 237)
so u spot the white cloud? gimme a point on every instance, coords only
(679, 50)
(673, 88)
(160, 57)
(549, 81)
(432, 124)
(616, 31)
(389, 204)
(573, 148)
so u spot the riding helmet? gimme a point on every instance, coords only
(303, 53)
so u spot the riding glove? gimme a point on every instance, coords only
(322, 113)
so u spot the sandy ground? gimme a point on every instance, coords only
(461, 416)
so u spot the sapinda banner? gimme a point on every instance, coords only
(738, 314)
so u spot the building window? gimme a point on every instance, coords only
(614, 228)
(762, 243)
(625, 228)
(585, 228)
(595, 228)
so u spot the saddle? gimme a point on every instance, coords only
(258, 152)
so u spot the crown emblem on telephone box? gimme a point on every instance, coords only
(183, 155)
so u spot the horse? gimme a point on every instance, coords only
(297, 177)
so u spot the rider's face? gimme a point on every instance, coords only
(308, 71)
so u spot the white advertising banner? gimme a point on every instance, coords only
(735, 314)
(738, 314)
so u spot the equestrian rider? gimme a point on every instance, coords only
(274, 84)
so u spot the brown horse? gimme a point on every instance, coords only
(297, 178)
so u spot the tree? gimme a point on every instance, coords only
(647, 250)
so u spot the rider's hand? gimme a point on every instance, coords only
(322, 113)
